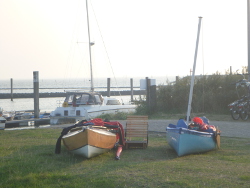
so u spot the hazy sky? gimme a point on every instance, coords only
(143, 38)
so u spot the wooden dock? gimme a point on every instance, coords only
(27, 123)
(63, 94)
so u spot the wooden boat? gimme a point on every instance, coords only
(92, 138)
(186, 141)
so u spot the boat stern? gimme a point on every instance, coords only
(65, 115)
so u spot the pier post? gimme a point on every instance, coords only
(248, 37)
(131, 88)
(108, 87)
(148, 83)
(11, 89)
(152, 101)
(36, 93)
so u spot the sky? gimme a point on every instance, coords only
(133, 38)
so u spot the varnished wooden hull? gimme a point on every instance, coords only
(89, 142)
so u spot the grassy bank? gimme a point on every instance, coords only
(27, 159)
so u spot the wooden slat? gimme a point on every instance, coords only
(142, 142)
(137, 135)
(136, 131)
(141, 126)
(131, 144)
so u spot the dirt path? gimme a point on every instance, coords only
(228, 128)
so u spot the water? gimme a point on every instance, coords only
(45, 104)
(49, 104)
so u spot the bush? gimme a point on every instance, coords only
(119, 115)
(211, 94)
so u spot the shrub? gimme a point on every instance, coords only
(211, 94)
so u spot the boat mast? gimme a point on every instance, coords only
(193, 74)
(248, 36)
(90, 44)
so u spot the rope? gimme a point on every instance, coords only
(72, 49)
(105, 49)
(202, 39)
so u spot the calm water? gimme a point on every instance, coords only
(49, 104)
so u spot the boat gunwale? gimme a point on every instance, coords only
(181, 130)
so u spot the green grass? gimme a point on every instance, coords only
(27, 159)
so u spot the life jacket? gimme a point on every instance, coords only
(203, 126)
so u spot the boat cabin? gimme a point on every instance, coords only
(111, 101)
(75, 99)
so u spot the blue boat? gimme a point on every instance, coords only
(198, 136)
(186, 141)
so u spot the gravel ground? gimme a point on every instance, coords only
(228, 128)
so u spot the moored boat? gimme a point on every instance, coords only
(87, 105)
(80, 105)
(92, 138)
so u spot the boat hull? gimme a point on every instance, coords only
(185, 141)
(74, 114)
(89, 142)
(2, 123)
(79, 105)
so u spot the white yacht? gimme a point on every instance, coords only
(87, 105)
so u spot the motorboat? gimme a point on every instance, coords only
(79, 106)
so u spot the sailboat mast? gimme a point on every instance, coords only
(248, 37)
(90, 57)
(193, 74)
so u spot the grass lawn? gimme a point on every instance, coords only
(27, 159)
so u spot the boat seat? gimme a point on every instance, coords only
(136, 133)
(171, 126)
(181, 123)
